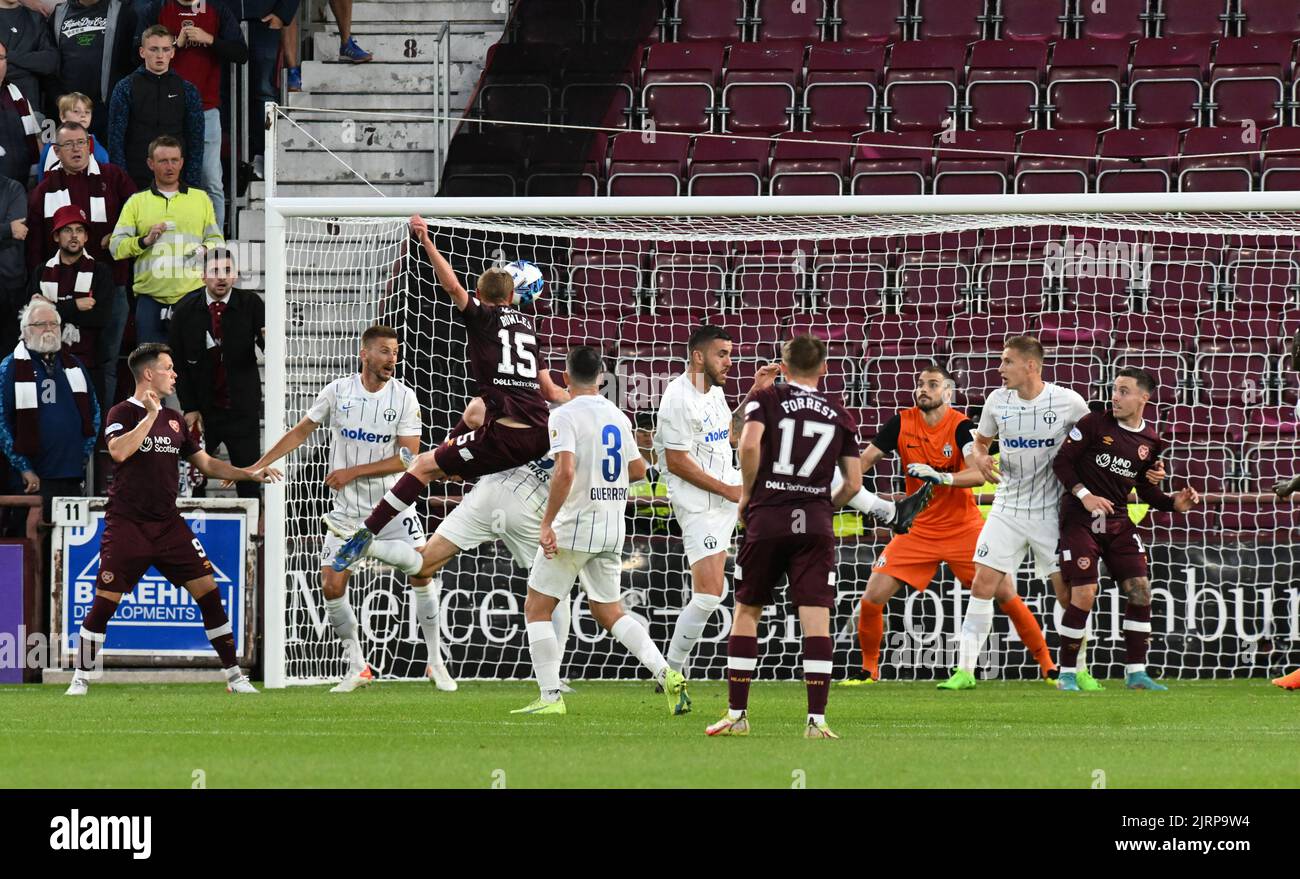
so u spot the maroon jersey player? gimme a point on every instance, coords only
(504, 364)
(795, 437)
(1105, 456)
(143, 527)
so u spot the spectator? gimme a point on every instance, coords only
(266, 19)
(166, 229)
(18, 128)
(348, 48)
(31, 52)
(82, 289)
(95, 41)
(208, 38)
(154, 102)
(49, 420)
(214, 332)
(13, 264)
(100, 191)
(73, 107)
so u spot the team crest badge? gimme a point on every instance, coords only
(880, 561)
(390, 414)
(1049, 417)
(106, 576)
(1143, 451)
(710, 542)
(1084, 563)
(983, 551)
(175, 425)
(947, 450)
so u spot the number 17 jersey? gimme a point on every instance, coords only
(503, 362)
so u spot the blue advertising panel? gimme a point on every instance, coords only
(12, 570)
(159, 618)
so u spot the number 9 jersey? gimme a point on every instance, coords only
(600, 437)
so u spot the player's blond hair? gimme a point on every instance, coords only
(495, 285)
(1026, 346)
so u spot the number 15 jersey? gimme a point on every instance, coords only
(601, 440)
(503, 362)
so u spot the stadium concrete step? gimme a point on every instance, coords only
(351, 188)
(462, 85)
(408, 48)
(343, 134)
(423, 12)
(394, 167)
(377, 77)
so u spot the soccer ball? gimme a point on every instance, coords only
(529, 282)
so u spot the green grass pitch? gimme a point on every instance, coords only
(1004, 734)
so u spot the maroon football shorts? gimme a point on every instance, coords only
(129, 548)
(1117, 544)
(490, 449)
(807, 559)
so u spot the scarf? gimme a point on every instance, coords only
(57, 194)
(60, 282)
(12, 97)
(28, 441)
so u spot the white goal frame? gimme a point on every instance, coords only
(278, 210)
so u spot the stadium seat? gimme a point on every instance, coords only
(842, 329)
(599, 87)
(688, 275)
(1137, 161)
(517, 82)
(1079, 370)
(1197, 527)
(1267, 464)
(760, 87)
(891, 163)
(1287, 385)
(976, 376)
(1155, 331)
(1248, 80)
(1182, 281)
(783, 20)
(1084, 83)
(941, 19)
(1002, 85)
(935, 283)
(605, 276)
(890, 382)
(975, 162)
(1216, 160)
(847, 279)
(1167, 368)
(1113, 20)
(567, 332)
(1165, 78)
(1076, 329)
(566, 163)
(642, 380)
(727, 166)
(883, 21)
(1185, 18)
(755, 334)
(985, 333)
(1055, 161)
(614, 21)
(1261, 281)
(1009, 283)
(1281, 168)
(921, 85)
(1231, 379)
(1036, 20)
(725, 20)
(810, 164)
(550, 21)
(1271, 423)
(679, 85)
(1204, 424)
(639, 165)
(841, 87)
(485, 164)
(661, 335)
(1280, 17)
(908, 334)
(1226, 334)
(1209, 468)
(770, 275)
(1250, 522)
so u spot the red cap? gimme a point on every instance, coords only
(66, 216)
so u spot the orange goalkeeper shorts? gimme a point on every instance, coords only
(914, 559)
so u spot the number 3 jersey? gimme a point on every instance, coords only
(363, 429)
(601, 440)
(503, 362)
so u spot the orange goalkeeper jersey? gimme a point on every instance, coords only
(951, 510)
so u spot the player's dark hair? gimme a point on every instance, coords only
(804, 355)
(703, 335)
(1026, 346)
(495, 286)
(145, 356)
(584, 365)
(378, 331)
(645, 420)
(935, 366)
(1145, 381)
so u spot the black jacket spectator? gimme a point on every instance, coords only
(31, 51)
(241, 331)
(95, 41)
(13, 262)
(145, 106)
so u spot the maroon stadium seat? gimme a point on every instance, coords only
(1137, 161)
(770, 275)
(1288, 384)
(1209, 468)
(842, 86)
(1084, 83)
(779, 20)
(760, 87)
(1216, 160)
(1231, 379)
(976, 376)
(600, 86)
(1170, 332)
(620, 21)
(908, 334)
(1249, 79)
(986, 333)
(1076, 329)
(1271, 423)
(1116, 20)
(1182, 18)
(567, 332)
(755, 334)
(1002, 84)
(1267, 464)
(679, 86)
(1011, 283)
(723, 20)
(935, 283)
(640, 165)
(891, 163)
(1165, 79)
(939, 19)
(1225, 334)
(1167, 368)
(1204, 424)
(660, 335)
(840, 328)
(727, 166)
(1182, 281)
(605, 276)
(689, 275)
(1041, 20)
(1280, 17)
(1262, 281)
(1281, 169)
(642, 380)
(880, 20)
(848, 279)
(1055, 161)
(806, 163)
(891, 381)
(1079, 370)
(517, 81)
(975, 162)
(922, 85)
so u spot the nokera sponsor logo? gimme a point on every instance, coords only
(365, 436)
(1021, 442)
(715, 435)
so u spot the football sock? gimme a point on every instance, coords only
(1137, 636)
(974, 632)
(1072, 628)
(865, 501)
(398, 553)
(1029, 631)
(344, 622)
(92, 634)
(871, 628)
(742, 659)
(426, 613)
(817, 672)
(636, 639)
(217, 627)
(560, 620)
(690, 626)
(397, 499)
(545, 651)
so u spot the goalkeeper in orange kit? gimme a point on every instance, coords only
(932, 439)
(1284, 490)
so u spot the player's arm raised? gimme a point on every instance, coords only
(763, 378)
(122, 447)
(218, 469)
(441, 268)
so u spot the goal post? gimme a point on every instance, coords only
(1201, 289)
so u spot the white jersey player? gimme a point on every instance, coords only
(693, 440)
(582, 531)
(1030, 419)
(372, 417)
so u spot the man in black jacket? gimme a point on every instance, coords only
(214, 333)
(13, 263)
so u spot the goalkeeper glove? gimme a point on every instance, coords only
(926, 473)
